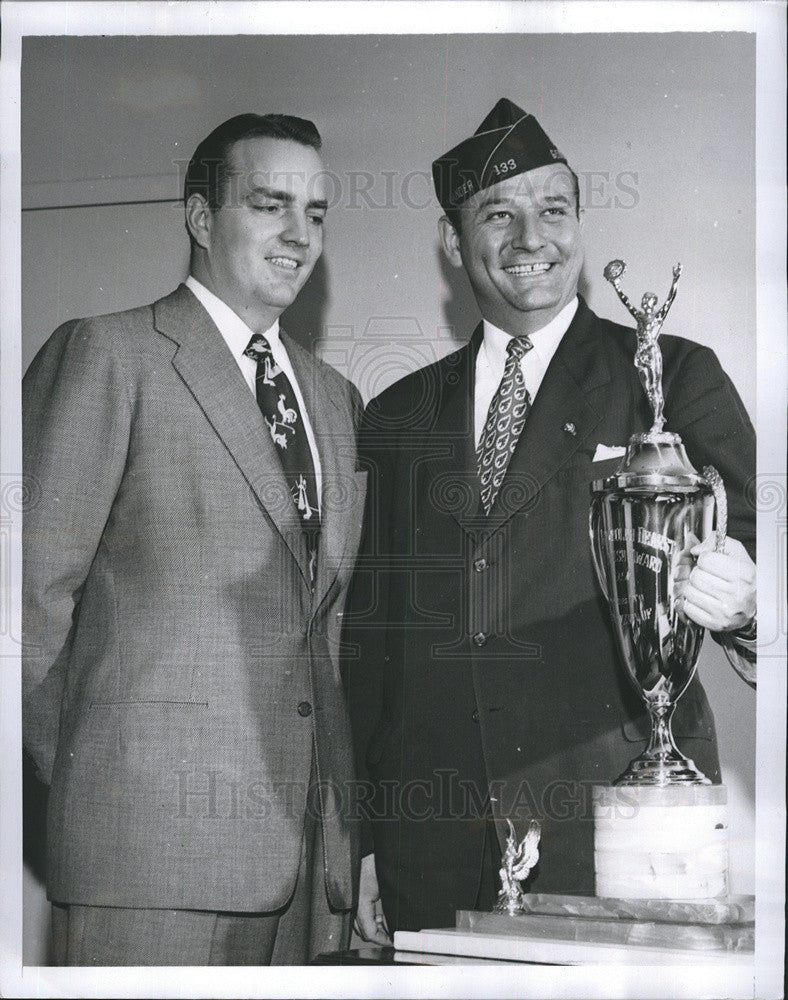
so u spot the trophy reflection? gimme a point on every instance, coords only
(644, 521)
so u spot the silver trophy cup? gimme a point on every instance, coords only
(644, 521)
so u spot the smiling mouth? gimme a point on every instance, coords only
(287, 263)
(522, 269)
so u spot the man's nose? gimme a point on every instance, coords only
(527, 235)
(296, 229)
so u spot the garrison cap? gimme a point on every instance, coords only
(508, 142)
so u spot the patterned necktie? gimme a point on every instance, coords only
(504, 424)
(279, 406)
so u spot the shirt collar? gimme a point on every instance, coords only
(545, 341)
(235, 332)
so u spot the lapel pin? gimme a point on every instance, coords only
(570, 429)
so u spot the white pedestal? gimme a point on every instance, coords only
(661, 843)
(575, 930)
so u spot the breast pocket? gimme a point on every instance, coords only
(604, 468)
(579, 472)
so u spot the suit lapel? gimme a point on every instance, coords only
(572, 395)
(211, 374)
(452, 466)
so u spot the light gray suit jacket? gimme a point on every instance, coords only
(178, 669)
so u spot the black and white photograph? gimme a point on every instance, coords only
(393, 499)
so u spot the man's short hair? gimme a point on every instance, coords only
(454, 214)
(210, 166)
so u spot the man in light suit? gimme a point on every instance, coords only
(484, 682)
(185, 567)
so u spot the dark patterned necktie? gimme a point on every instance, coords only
(504, 424)
(279, 406)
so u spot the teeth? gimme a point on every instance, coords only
(283, 262)
(527, 268)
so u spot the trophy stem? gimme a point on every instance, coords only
(661, 745)
(662, 763)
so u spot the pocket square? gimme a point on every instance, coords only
(604, 451)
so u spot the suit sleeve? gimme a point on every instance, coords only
(367, 614)
(75, 432)
(707, 412)
(703, 406)
(357, 408)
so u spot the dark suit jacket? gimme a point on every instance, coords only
(481, 659)
(178, 669)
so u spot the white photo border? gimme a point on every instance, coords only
(767, 21)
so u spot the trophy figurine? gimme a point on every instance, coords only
(648, 358)
(516, 864)
(644, 520)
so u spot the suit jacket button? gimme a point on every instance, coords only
(475, 716)
(480, 565)
(304, 709)
(480, 638)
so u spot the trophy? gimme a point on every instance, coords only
(644, 521)
(516, 864)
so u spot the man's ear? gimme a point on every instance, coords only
(198, 220)
(450, 241)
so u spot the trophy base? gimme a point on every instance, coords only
(661, 843)
(662, 772)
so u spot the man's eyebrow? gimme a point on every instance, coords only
(272, 193)
(285, 196)
(492, 201)
(550, 199)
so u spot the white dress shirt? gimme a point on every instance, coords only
(491, 360)
(237, 335)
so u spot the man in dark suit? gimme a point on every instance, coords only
(185, 567)
(482, 676)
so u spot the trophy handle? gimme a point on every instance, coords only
(743, 667)
(596, 555)
(747, 670)
(714, 479)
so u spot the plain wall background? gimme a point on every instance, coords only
(660, 128)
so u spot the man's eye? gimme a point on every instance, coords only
(270, 208)
(554, 212)
(501, 216)
(317, 220)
